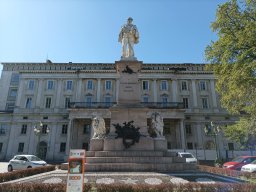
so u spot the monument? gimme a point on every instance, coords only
(135, 141)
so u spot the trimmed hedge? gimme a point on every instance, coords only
(4, 177)
(227, 172)
(195, 187)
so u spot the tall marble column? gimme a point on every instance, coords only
(174, 90)
(51, 141)
(155, 90)
(20, 92)
(68, 143)
(117, 90)
(39, 93)
(194, 95)
(98, 89)
(58, 96)
(214, 101)
(182, 134)
(78, 90)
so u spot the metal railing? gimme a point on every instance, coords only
(153, 105)
(93, 105)
(167, 105)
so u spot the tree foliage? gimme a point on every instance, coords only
(233, 60)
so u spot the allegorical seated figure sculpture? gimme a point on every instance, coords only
(128, 36)
(98, 125)
(157, 124)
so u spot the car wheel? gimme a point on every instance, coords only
(29, 167)
(10, 168)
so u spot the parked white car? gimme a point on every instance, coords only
(190, 158)
(24, 162)
(251, 167)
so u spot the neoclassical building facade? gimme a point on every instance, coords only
(42, 106)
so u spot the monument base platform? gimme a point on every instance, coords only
(144, 144)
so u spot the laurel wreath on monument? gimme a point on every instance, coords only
(128, 132)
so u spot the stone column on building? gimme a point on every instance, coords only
(58, 96)
(51, 141)
(12, 136)
(39, 93)
(68, 143)
(213, 92)
(194, 95)
(78, 90)
(32, 142)
(155, 90)
(98, 89)
(182, 135)
(20, 93)
(174, 90)
(117, 90)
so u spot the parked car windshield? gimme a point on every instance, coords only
(238, 159)
(254, 162)
(34, 158)
(187, 155)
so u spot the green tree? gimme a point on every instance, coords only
(233, 61)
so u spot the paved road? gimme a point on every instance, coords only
(3, 167)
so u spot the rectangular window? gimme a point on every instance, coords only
(31, 85)
(85, 146)
(108, 85)
(9, 106)
(45, 129)
(3, 129)
(107, 101)
(87, 128)
(67, 101)
(185, 103)
(50, 85)
(184, 86)
(69, 85)
(64, 130)
(13, 93)
(24, 129)
(164, 101)
(145, 85)
(21, 147)
(89, 85)
(188, 129)
(205, 103)
(15, 78)
(48, 102)
(202, 85)
(164, 85)
(1, 147)
(231, 147)
(62, 147)
(28, 103)
(145, 99)
(189, 145)
(88, 101)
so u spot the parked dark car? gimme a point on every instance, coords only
(238, 162)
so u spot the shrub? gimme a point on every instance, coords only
(4, 177)
(195, 187)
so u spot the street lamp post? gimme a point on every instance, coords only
(213, 131)
(40, 130)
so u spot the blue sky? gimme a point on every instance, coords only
(171, 31)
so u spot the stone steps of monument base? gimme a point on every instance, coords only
(130, 154)
(132, 167)
(131, 160)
